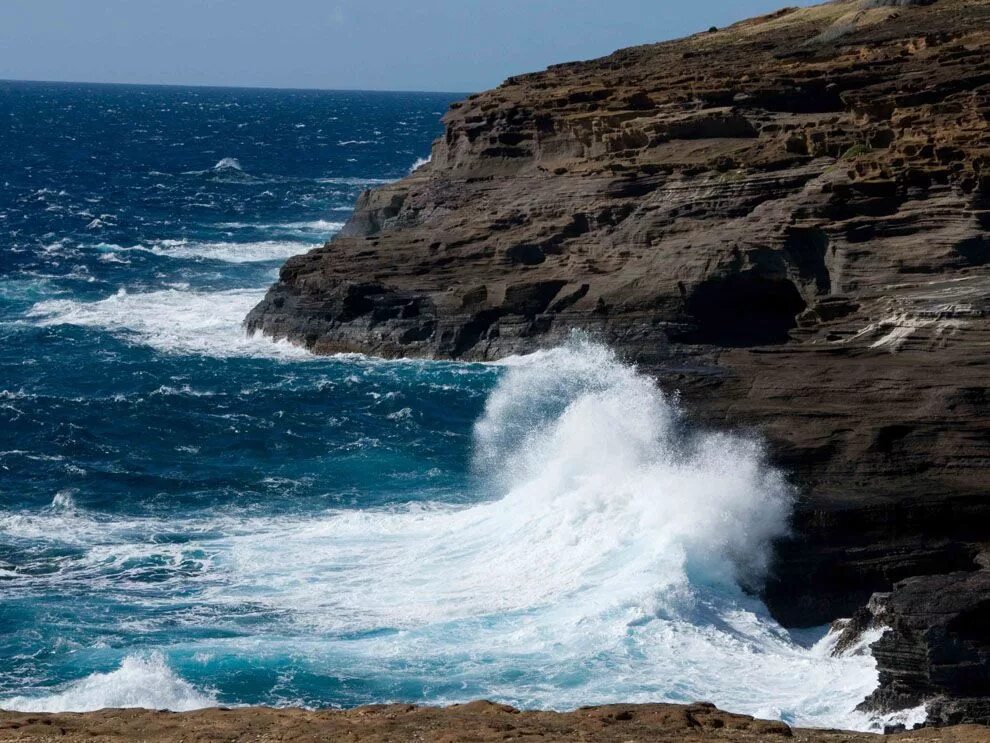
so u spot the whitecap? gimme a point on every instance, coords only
(355, 181)
(140, 681)
(64, 502)
(228, 252)
(228, 163)
(173, 321)
(232, 252)
(315, 226)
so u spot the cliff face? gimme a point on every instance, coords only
(788, 220)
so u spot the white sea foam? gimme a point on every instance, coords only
(63, 502)
(420, 162)
(228, 163)
(610, 555)
(173, 320)
(603, 564)
(353, 181)
(228, 252)
(140, 681)
(316, 225)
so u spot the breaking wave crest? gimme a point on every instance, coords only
(599, 444)
(228, 163)
(420, 162)
(602, 558)
(172, 320)
(140, 681)
(261, 251)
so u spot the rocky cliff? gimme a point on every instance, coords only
(788, 220)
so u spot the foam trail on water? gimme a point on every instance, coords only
(140, 681)
(228, 252)
(173, 320)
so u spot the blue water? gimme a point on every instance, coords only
(189, 516)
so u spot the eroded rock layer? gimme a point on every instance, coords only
(788, 220)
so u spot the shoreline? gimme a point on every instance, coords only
(475, 721)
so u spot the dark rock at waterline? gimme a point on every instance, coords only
(788, 220)
(937, 650)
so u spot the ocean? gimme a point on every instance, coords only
(193, 517)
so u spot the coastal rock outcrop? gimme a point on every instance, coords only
(479, 721)
(788, 221)
(937, 649)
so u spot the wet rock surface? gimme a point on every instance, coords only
(937, 649)
(787, 220)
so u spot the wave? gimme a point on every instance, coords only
(420, 162)
(355, 181)
(173, 321)
(318, 225)
(140, 681)
(229, 163)
(607, 564)
(315, 227)
(603, 559)
(229, 252)
(228, 169)
(598, 502)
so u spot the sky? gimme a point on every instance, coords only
(442, 45)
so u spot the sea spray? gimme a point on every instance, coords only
(420, 162)
(599, 559)
(140, 681)
(575, 427)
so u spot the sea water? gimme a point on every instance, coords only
(190, 516)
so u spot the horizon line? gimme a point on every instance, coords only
(233, 87)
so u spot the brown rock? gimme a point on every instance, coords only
(477, 721)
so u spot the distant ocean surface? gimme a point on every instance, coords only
(192, 517)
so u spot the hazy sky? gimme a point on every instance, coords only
(445, 45)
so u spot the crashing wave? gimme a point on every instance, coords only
(420, 162)
(172, 321)
(140, 681)
(603, 559)
(229, 163)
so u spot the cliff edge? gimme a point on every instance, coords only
(786, 220)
